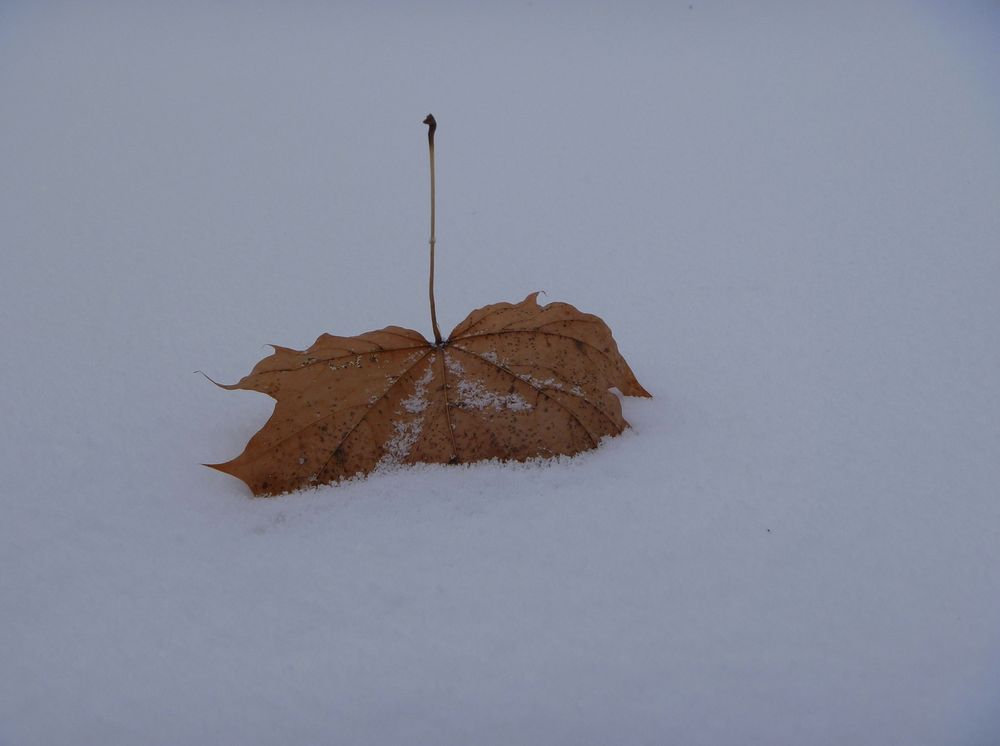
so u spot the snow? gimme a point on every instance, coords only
(416, 402)
(406, 431)
(471, 393)
(787, 213)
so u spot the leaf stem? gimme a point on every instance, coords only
(431, 126)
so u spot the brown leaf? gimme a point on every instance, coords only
(513, 381)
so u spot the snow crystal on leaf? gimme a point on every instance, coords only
(416, 403)
(406, 432)
(397, 448)
(548, 383)
(472, 394)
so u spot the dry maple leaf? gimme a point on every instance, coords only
(512, 381)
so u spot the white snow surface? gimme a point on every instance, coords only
(788, 213)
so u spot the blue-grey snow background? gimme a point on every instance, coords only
(789, 214)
